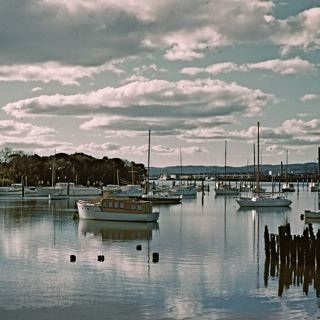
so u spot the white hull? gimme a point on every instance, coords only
(185, 191)
(57, 197)
(94, 212)
(71, 191)
(226, 191)
(309, 214)
(263, 202)
(11, 191)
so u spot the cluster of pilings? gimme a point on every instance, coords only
(295, 259)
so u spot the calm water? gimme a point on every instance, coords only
(211, 263)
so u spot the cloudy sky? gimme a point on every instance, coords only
(94, 76)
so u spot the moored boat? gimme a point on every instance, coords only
(264, 200)
(312, 214)
(117, 209)
(226, 189)
(184, 190)
(288, 187)
(162, 198)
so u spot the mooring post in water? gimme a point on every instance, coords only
(266, 242)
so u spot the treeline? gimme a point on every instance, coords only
(18, 167)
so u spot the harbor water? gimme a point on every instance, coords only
(204, 259)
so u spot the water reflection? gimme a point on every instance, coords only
(118, 230)
(266, 210)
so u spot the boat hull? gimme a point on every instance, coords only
(227, 192)
(309, 214)
(263, 202)
(95, 212)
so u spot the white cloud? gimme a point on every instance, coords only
(310, 97)
(52, 71)
(36, 89)
(302, 30)
(290, 66)
(14, 128)
(150, 99)
(285, 67)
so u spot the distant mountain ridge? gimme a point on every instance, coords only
(309, 167)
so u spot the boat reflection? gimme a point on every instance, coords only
(117, 230)
(265, 209)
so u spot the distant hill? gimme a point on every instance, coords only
(310, 167)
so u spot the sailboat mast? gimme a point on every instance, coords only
(258, 154)
(149, 140)
(53, 171)
(180, 167)
(287, 167)
(225, 158)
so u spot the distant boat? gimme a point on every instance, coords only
(223, 188)
(157, 197)
(184, 190)
(226, 189)
(117, 209)
(265, 200)
(69, 188)
(57, 197)
(312, 214)
(17, 189)
(261, 199)
(315, 187)
(287, 187)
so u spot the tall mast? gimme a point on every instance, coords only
(225, 158)
(180, 167)
(147, 188)
(258, 154)
(287, 167)
(53, 171)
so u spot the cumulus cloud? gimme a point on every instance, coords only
(291, 133)
(52, 71)
(280, 66)
(289, 66)
(89, 33)
(14, 128)
(310, 97)
(302, 30)
(150, 99)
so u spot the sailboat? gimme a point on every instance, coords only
(287, 187)
(186, 190)
(222, 188)
(263, 199)
(159, 197)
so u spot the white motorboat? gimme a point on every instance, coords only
(117, 209)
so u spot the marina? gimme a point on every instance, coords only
(203, 259)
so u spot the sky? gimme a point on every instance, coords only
(94, 76)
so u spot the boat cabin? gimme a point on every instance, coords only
(126, 205)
